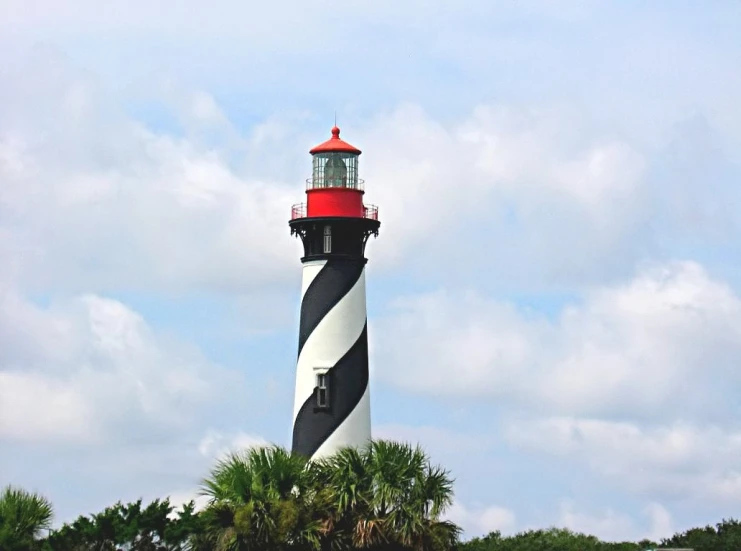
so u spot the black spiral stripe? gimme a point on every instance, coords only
(333, 282)
(349, 375)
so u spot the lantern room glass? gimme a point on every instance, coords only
(335, 169)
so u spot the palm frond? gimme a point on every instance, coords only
(24, 514)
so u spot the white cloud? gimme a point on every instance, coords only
(92, 200)
(436, 441)
(631, 381)
(609, 526)
(124, 410)
(653, 522)
(249, 22)
(90, 369)
(215, 444)
(480, 521)
(662, 525)
(86, 185)
(436, 183)
(658, 346)
(665, 460)
(32, 407)
(613, 526)
(89, 195)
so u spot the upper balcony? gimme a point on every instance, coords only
(322, 182)
(299, 211)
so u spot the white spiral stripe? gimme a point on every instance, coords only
(310, 270)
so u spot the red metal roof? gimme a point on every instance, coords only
(335, 144)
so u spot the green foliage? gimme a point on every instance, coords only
(152, 528)
(387, 496)
(264, 498)
(23, 517)
(554, 539)
(724, 536)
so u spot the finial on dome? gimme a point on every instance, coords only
(334, 144)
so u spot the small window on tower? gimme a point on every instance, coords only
(322, 390)
(327, 239)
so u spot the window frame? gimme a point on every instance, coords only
(323, 389)
(327, 244)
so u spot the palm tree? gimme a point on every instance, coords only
(23, 517)
(388, 496)
(263, 498)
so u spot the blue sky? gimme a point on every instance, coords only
(554, 299)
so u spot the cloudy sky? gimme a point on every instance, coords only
(554, 299)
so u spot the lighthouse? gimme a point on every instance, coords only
(332, 400)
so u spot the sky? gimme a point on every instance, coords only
(554, 299)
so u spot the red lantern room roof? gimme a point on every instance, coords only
(335, 144)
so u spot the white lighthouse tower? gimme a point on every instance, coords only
(332, 402)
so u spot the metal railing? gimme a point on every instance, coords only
(322, 183)
(299, 211)
(371, 211)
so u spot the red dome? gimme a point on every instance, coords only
(335, 144)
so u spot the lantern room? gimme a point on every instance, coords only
(334, 189)
(335, 164)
